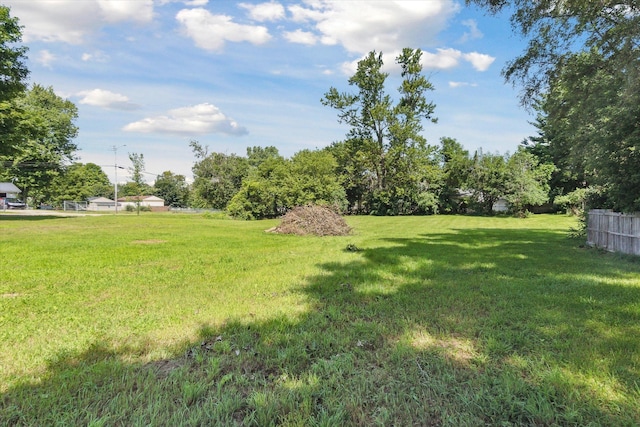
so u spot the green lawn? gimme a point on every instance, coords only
(164, 319)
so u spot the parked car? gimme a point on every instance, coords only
(11, 203)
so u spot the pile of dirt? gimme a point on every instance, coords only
(316, 220)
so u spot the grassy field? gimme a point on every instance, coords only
(188, 320)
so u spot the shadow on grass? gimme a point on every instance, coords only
(474, 327)
(28, 217)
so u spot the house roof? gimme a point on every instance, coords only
(100, 200)
(140, 198)
(9, 187)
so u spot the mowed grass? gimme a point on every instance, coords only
(187, 320)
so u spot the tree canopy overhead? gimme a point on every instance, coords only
(581, 71)
(13, 78)
(557, 29)
(13, 70)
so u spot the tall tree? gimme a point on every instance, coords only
(217, 177)
(550, 146)
(173, 189)
(527, 181)
(13, 76)
(456, 165)
(45, 130)
(591, 128)
(79, 182)
(385, 136)
(487, 180)
(13, 70)
(137, 185)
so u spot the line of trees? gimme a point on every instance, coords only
(383, 167)
(265, 187)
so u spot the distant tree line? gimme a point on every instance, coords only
(383, 167)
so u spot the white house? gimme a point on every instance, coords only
(501, 205)
(153, 202)
(100, 204)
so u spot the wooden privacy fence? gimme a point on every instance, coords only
(613, 231)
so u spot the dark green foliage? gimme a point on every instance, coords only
(591, 130)
(173, 189)
(487, 180)
(79, 182)
(45, 131)
(13, 70)
(527, 182)
(278, 185)
(217, 177)
(456, 167)
(13, 77)
(583, 64)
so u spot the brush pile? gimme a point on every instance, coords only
(314, 220)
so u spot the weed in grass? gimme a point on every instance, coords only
(191, 392)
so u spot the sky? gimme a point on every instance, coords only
(149, 76)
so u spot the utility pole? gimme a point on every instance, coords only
(115, 166)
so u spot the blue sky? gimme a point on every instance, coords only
(156, 74)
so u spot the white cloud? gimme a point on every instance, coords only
(303, 14)
(194, 3)
(444, 59)
(462, 84)
(480, 61)
(46, 58)
(67, 21)
(70, 21)
(473, 33)
(381, 25)
(301, 37)
(271, 11)
(199, 119)
(350, 68)
(97, 56)
(118, 10)
(106, 99)
(210, 32)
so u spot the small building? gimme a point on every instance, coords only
(100, 204)
(156, 204)
(501, 205)
(8, 190)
